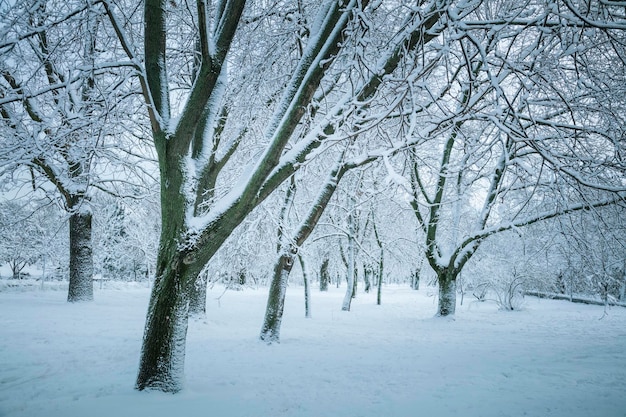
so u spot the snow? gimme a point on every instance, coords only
(553, 358)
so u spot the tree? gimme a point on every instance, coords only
(29, 231)
(524, 142)
(125, 236)
(288, 247)
(593, 253)
(324, 275)
(59, 96)
(195, 220)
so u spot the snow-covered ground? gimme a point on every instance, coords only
(551, 359)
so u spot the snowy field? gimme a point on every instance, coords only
(551, 359)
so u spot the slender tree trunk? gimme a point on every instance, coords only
(324, 275)
(622, 288)
(81, 259)
(379, 290)
(350, 290)
(355, 281)
(307, 288)
(270, 332)
(447, 293)
(367, 278)
(347, 300)
(416, 279)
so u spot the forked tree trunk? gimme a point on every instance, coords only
(16, 268)
(163, 354)
(270, 332)
(81, 258)
(447, 293)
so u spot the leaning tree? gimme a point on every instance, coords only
(199, 136)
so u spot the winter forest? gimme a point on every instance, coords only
(182, 180)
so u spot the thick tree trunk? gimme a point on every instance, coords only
(81, 259)
(447, 293)
(270, 332)
(163, 353)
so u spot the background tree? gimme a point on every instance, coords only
(27, 232)
(59, 101)
(508, 133)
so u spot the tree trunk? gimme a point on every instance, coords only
(367, 274)
(270, 332)
(307, 288)
(355, 281)
(81, 259)
(163, 353)
(347, 299)
(324, 275)
(379, 290)
(416, 280)
(197, 296)
(351, 290)
(16, 268)
(447, 293)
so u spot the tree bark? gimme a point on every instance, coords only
(447, 293)
(197, 296)
(270, 332)
(163, 353)
(307, 288)
(324, 275)
(367, 274)
(81, 259)
(351, 287)
(347, 300)
(415, 284)
(379, 289)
